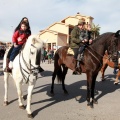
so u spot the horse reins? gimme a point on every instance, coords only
(22, 69)
(97, 53)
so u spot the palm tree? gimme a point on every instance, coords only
(95, 30)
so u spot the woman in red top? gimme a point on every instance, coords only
(24, 19)
(19, 38)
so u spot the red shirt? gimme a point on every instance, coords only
(22, 34)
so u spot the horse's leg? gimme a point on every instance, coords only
(65, 69)
(29, 98)
(6, 77)
(19, 91)
(92, 90)
(56, 68)
(117, 77)
(53, 79)
(103, 70)
(89, 83)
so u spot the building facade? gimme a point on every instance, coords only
(58, 34)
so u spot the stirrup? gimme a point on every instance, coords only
(7, 70)
(80, 58)
(79, 70)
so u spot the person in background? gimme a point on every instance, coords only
(42, 55)
(45, 53)
(49, 56)
(52, 54)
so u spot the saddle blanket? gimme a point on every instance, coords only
(119, 60)
(70, 51)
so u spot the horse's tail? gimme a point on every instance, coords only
(57, 68)
(59, 75)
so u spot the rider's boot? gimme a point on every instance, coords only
(7, 69)
(78, 68)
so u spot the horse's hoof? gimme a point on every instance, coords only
(103, 79)
(30, 116)
(66, 92)
(5, 103)
(115, 83)
(22, 107)
(51, 93)
(24, 97)
(95, 101)
(90, 105)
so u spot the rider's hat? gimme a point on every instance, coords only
(81, 22)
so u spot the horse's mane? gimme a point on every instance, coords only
(101, 36)
(31, 38)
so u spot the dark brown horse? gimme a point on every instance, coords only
(108, 62)
(91, 65)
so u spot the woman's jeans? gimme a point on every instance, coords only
(15, 52)
(81, 49)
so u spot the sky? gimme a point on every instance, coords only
(43, 13)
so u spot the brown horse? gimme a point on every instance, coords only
(91, 65)
(108, 62)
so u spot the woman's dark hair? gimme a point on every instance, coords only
(25, 23)
(18, 27)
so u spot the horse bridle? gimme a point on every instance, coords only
(33, 70)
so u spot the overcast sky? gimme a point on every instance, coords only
(42, 13)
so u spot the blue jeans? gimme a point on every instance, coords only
(81, 49)
(15, 52)
(115, 71)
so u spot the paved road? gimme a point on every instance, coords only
(60, 106)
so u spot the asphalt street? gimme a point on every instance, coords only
(60, 106)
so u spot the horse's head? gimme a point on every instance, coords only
(34, 44)
(114, 43)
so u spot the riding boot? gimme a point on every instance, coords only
(80, 57)
(7, 69)
(78, 69)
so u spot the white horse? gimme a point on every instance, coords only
(25, 70)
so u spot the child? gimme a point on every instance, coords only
(19, 38)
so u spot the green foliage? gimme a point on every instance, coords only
(95, 30)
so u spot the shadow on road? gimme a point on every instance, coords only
(76, 90)
(46, 73)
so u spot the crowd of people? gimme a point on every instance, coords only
(49, 55)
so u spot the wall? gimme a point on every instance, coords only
(62, 40)
(59, 27)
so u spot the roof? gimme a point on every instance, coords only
(76, 17)
(51, 31)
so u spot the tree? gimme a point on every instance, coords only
(95, 30)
